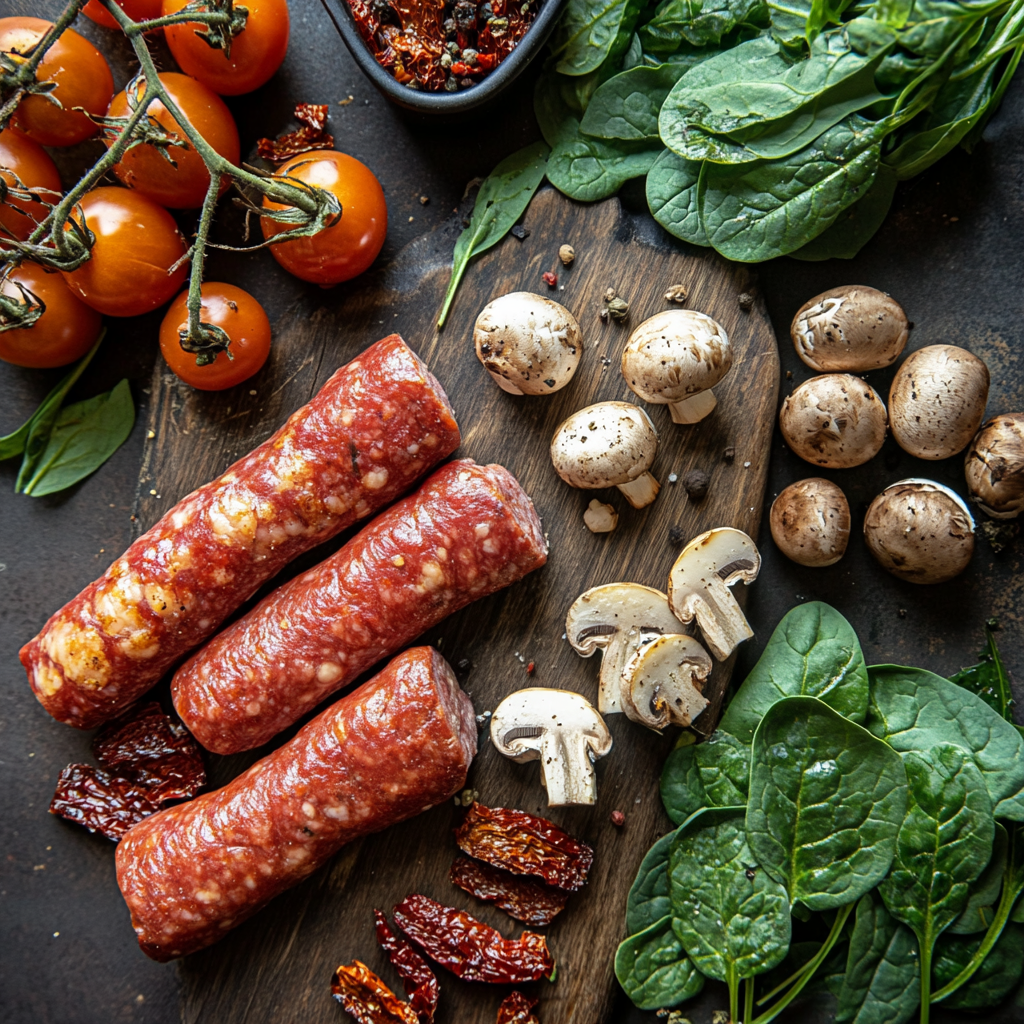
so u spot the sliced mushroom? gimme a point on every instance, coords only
(600, 517)
(836, 420)
(675, 358)
(529, 344)
(563, 731)
(617, 619)
(852, 328)
(611, 444)
(810, 522)
(995, 467)
(698, 586)
(662, 683)
(937, 401)
(920, 531)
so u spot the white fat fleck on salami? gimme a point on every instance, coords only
(79, 653)
(375, 479)
(232, 519)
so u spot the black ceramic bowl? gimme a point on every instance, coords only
(445, 102)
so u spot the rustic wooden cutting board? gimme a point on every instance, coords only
(277, 967)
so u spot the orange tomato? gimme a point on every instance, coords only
(346, 249)
(83, 80)
(137, 10)
(67, 329)
(136, 244)
(184, 186)
(23, 160)
(256, 52)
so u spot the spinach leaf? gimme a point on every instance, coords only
(796, 21)
(989, 679)
(654, 970)
(699, 24)
(84, 436)
(627, 105)
(648, 901)
(912, 710)
(826, 802)
(934, 25)
(634, 57)
(682, 792)
(588, 169)
(984, 892)
(724, 766)
(504, 195)
(997, 976)
(587, 31)
(672, 197)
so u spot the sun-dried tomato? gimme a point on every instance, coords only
(313, 118)
(527, 901)
(99, 801)
(525, 845)
(517, 1009)
(470, 949)
(367, 998)
(419, 980)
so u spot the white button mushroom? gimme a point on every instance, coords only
(810, 522)
(836, 420)
(920, 531)
(611, 444)
(937, 401)
(852, 328)
(662, 683)
(698, 586)
(675, 358)
(563, 731)
(617, 619)
(995, 467)
(529, 344)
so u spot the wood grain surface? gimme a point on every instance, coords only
(277, 967)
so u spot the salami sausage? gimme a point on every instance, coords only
(399, 744)
(468, 531)
(377, 425)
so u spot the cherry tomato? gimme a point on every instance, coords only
(136, 243)
(67, 329)
(137, 10)
(23, 160)
(240, 316)
(146, 170)
(83, 80)
(256, 52)
(340, 252)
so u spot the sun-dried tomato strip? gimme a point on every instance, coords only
(525, 845)
(99, 801)
(313, 118)
(527, 901)
(470, 949)
(517, 1009)
(419, 980)
(367, 998)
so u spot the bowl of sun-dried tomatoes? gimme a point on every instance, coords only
(443, 57)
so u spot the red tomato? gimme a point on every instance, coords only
(256, 52)
(136, 243)
(23, 160)
(146, 170)
(340, 252)
(240, 316)
(137, 10)
(83, 80)
(67, 329)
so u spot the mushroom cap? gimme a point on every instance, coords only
(521, 718)
(676, 354)
(604, 445)
(920, 531)
(937, 401)
(851, 328)
(836, 420)
(810, 522)
(995, 466)
(662, 682)
(528, 343)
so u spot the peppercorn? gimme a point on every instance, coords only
(676, 293)
(696, 483)
(618, 819)
(746, 301)
(676, 535)
(567, 254)
(551, 280)
(729, 454)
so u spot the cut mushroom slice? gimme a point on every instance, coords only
(617, 619)
(563, 731)
(698, 586)
(662, 683)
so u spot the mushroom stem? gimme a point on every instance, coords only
(694, 409)
(641, 491)
(721, 621)
(567, 770)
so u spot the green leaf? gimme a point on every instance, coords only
(989, 679)
(724, 766)
(933, 25)
(912, 710)
(698, 23)
(589, 169)
(826, 802)
(984, 892)
(627, 105)
(672, 197)
(587, 31)
(503, 196)
(654, 970)
(682, 792)
(649, 900)
(997, 976)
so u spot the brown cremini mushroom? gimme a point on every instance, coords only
(810, 522)
(995, 467)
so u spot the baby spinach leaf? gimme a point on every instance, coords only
(654, 970)
(826, 802)
(912, 710)
(984, 892)
(672, 197)
(934, 25)
(699, 24)
(997, 976)
(682, 792)
(989, 679)
(724, 765)
(627, 105)
(588, 169)
(648, 901)
(587, 31)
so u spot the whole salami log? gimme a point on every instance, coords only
(468, 531)
(379, 423)
(399, 744)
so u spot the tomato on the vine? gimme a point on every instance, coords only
(23, 160)
(344, 250)
(137, 10)
(67, 329)
(241, 318)
(144, 168)
(136, 244)
(256, 52)
(82, 76)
